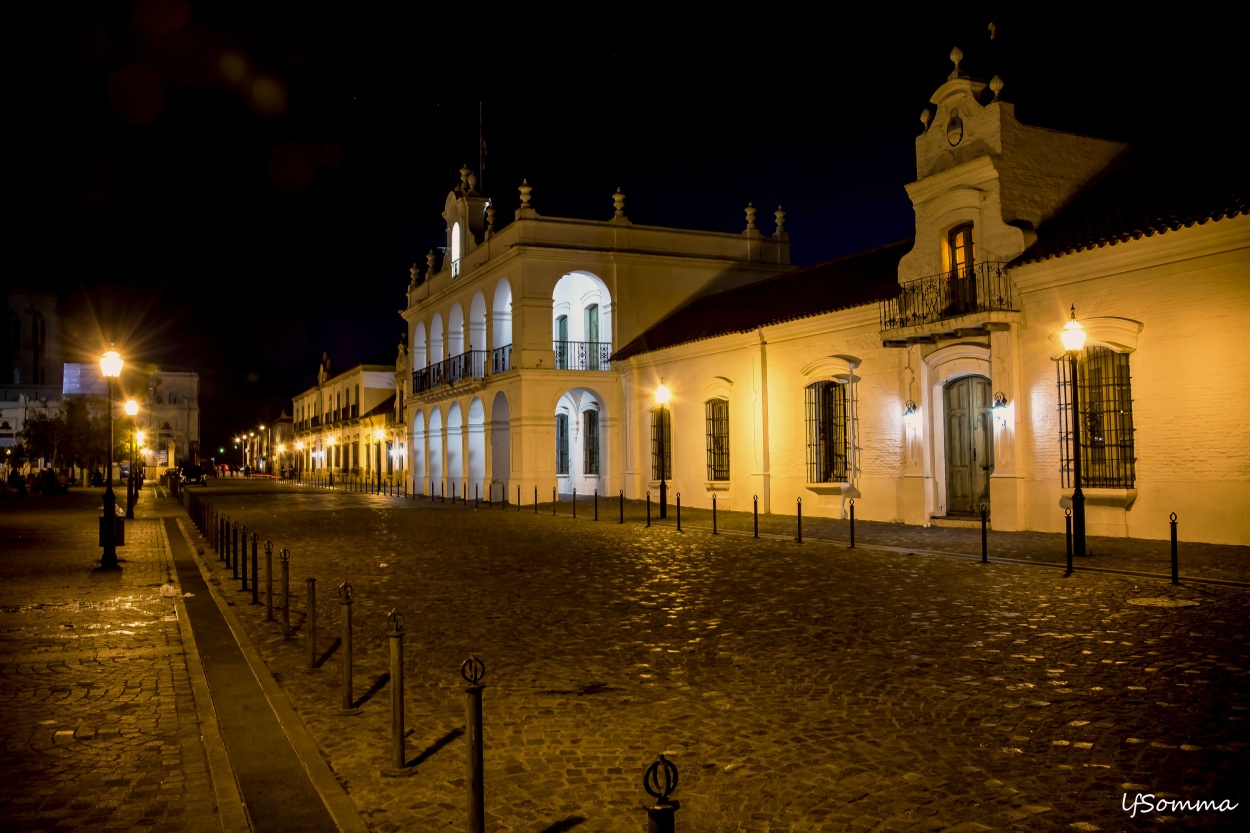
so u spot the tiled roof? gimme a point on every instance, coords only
(1140, 202)
(851, 281)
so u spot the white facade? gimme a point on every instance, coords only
(347, 424)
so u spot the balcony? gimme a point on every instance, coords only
(950, 304)
(469, 365)
(583, 355)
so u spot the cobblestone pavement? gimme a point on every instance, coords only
(100, 730)
(797, 687)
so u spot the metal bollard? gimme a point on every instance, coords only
(852, 546)
(395, 631)
(713, 514)
(472, 670)
(798, 534)
(269, 581)
(596, 504)
(755, 514)
(985, 547)
(1067, 528)
(535, 500)
(477, 494)
(345, 617)
(255, 570)
(679, 511)
(648, 507)
(574, 503)
(285, 558)
(621, 503)
(659, 781)
(553, 501)
(234, 546)
(1176, 565)
(311, 640)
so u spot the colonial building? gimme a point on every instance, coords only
(349, 426)
(513, 388)
(927, 379)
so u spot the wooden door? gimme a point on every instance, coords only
(969, 445)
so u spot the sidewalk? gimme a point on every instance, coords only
(126, 708)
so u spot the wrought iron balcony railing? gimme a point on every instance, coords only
(468, 365)
(501, 359)
(583, 355)
(985, 287)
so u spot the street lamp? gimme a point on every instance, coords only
(111, 368)
(662, 395)
(132, 408)
(1073, 337)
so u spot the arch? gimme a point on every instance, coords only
(417, 447)
(477, 322)
(455, 449)
(501, 442)
(944, 366)
(455, 330)
(587, 302)
(436, 451)
(588, 440)
(475, 465)
(420, 348)
(437, 353)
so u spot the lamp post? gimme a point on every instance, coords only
(1073, 336)
(132, 408)
(662, 395)
(111, 368)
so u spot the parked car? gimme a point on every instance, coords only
(194, 474)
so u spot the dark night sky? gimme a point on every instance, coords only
(236, 189)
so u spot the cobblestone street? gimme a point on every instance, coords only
(796, 686)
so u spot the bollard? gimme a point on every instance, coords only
(477, 490)
(648, 507)
(985, 547)
(659, 781)
(755, 514)
(255, 573)
(395, 632)
(621, 504)
(472, 670)
(243, 566)
(311, 641)
(1176, 566)
(345, 617)
(1067, 528)
(713, 514)
(285, 558)
(679, 511)
(553, 501)
(798, 534)
(441, 497)
(596, 504)
(269, 581)
(852, 523)
(574, 503)
(464, 493)
(535, 500)
(234, 546)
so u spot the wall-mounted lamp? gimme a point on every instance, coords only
(911, 416)
(1001, 409)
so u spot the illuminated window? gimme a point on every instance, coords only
(828, 444)
(562, 443)
(455, 250)
(1108, 459)
(960, 264)
(717, 439)
(661, 445)
(590, 442)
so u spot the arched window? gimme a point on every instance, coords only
(455, 250)
(717, 439)
(961, 266)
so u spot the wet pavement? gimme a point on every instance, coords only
(796, 686)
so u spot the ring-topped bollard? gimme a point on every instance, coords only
(345, 605)
(269, 581)
(285, 558)
(472, 670)
(659, 781)
(395, 632)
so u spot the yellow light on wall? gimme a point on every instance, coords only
(911, 416)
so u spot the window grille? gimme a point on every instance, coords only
(661, 445)
(562, 443)
(827, 437)
(1106, 413)
(590, 442)
(717, 439)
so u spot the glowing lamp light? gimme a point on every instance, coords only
(662, 394)
(1002, 410)
(911, 416)
(111, 364)
(380, 434)
(1073, 334)
(132, 407)
(140, 437)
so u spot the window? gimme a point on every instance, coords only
(717, 439)
(562, 342)
(562, 443)
(590, 442)
(1106, 413)
(828, 445)
(592, 336)
(455, 250)
(960, 264)
(661, 445)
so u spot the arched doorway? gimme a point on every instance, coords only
(969, 444)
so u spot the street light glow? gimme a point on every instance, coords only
(1073, 334)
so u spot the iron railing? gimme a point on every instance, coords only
(583, 355)
(468, 365)
(985, 287)
(501, 359)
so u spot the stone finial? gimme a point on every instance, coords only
(957, 55)
(412, 275)
(618, 202)
(925, 117)
(429, 262)
(490, 219)
(464, 179)
(526, 189)
(781, 220)
(472, 182)
(750, 216)
(996, 85)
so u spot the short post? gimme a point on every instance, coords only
(345, 608)
(553, 501)
(518, 497)
(798, 534)
(1176, 565)
(473, 669)
(535, 500)
(679, 511)
(574, 503)
(255, 569)
(852, 503)
(648, 507)
(596, 504)
(477, 494)
(234, 546)
(1067, 526)
(395, 631)
(269, 581)
(713, 514)
(311, 641)
(659, 781)
(441, 497)
(621, 504)
(755, 514)
(285, 558)
(985, 546)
